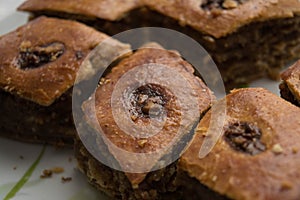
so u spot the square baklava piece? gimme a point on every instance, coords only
(139, 122)
(256, 156)
(38, 67)
(290, 85)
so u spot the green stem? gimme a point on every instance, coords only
(25, 177)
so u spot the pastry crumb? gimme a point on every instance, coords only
(66, 179)
(46, 174)
(57, 170)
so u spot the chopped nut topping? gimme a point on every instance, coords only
(25, 45)
(295, 150)
(104, 81)
(202, 130)
(277, 149)
(203, 174)
(133, 118)
(244, 137)
(35, 56)
(142, 143)
(229, 4)
(286, 185)
(148, 101)
(221, 4)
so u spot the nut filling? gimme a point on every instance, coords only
(244, 137)
(31, 57)
(148, 101)
(221, 4)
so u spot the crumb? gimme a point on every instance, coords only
(277, 149)
(57, 170)
(46, 174)
(15, 168)
(66, 179)
(21, 157)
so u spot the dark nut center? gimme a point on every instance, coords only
(244, 137)
(148, 101)
(31, 57)
(221, 4)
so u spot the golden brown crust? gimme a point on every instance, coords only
(45, 83)
(215, 22)
(221, 22)
(104, 9)
(168, 132)
(291, 78)
(271, 174)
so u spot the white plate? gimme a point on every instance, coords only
(12, 167)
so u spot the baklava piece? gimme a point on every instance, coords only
(257, 157)
(147, 96)
(38, 67)
(290, 85)
(239, 34)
